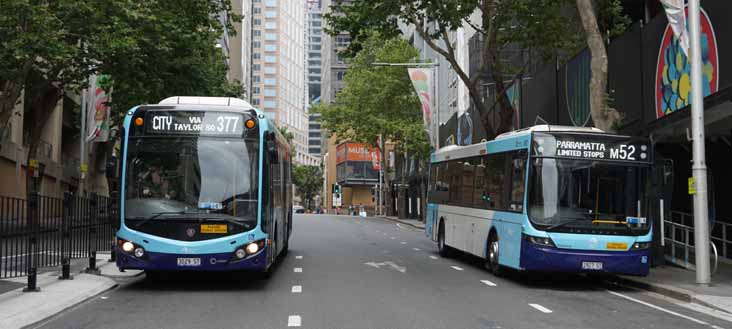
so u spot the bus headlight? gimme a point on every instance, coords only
(540, 241)
(252, 248)
(128, 246)
(240, 253)
(641, 245)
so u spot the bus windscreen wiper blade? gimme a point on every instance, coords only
(228, 220)
(573, 220)
(158, 214)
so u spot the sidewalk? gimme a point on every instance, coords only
(411, 222)
(19, 309)
(679, 283)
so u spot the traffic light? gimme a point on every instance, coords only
(336, 188)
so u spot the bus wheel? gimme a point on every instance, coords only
(491, 262)
(285, 245)
(443, 248)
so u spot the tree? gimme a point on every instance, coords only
(603, 116)
(538, 27)
(289, 137)
(308, 181)
(151, 50)
(378, 103)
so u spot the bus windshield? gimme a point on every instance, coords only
(192, 175)
(586, 195)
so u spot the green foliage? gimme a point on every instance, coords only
(378, 101)
(610, 17)
(308, 181)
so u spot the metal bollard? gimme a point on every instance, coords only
(66, 238)
(32, 255)
(93, 218)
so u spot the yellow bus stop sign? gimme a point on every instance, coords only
(692, 186)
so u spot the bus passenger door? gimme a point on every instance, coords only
(430, 221)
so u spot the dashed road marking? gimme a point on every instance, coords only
(457, 268)
(488, 283)
(393, 238)
(104, 297)
(403, 242)
(294, 321)
(657, 307)
(298, 269)
(434, 257)
(415, 249)
(298, 257)
(296, 289)
(541, 308)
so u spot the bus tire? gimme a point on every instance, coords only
(285, 244)
(442, 247)
(491, 262)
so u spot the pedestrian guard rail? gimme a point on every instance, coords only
(44, 232)
(678, 232)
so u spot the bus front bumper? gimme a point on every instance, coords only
(153, 261)
(539, 258)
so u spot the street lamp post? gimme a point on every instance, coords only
(434, 125)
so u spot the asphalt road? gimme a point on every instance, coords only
(349, 272)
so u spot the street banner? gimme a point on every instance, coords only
(97, 122)
(677, 19)
(422, 80)
(376, 159)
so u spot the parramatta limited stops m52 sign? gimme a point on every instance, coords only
(613, 148)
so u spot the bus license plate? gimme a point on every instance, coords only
(189, 262)
(595, 266)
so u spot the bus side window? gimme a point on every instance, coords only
(518, 176)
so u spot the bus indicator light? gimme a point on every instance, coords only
(250, 124)
(138, 122)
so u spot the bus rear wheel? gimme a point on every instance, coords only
(491, 262)
(444, 249)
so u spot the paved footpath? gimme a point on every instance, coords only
(351, 272)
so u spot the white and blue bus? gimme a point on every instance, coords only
(206, 186)
(545, 198)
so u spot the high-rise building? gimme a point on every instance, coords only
(279, 66)
(334, 65)
(240, 60)
(314, 49)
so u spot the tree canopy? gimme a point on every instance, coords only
(308, 181)
(378, 101)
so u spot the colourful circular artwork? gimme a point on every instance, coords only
(673, 70)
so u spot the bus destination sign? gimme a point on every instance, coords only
(602, 150)
(194, 123)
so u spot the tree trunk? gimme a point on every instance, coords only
(42, 102)
(12, 89)
(603, 117)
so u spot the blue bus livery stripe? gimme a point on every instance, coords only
(511, 143)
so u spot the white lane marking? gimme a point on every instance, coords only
(657, 307)
(105, 297)
(392, 238)
(403, 242)
(298, 257)
(415, 249)
(298, 269)
(294, 321)
(402, 269)
(457, 268)
(434, 257)
(541, 308)
(398, 225)
(488, 283)
(714, 326)
(296, 289)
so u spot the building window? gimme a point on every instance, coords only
(256, 44)
(257, 33)
(256, 55)
(270, 14)
(270, 36)
(255, 101)
(270, 25)
(257, 10)
(270, 82)
(256, 67)
(257, 22)
(340, 75)
(270, 3)
(270, 92)
(269, 47)
(270, 70)
(342, 40)
(270, 59)
(256, 78)
(270, 104)
(255, 90)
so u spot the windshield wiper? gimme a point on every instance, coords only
(228, 220)
(573, 220)
(158, 214)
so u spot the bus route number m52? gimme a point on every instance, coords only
(601, 150)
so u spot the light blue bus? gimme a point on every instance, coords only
(545, 198)
(206, 186)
